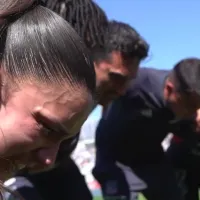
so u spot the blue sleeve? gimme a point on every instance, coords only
(106, 171)
(109, 128)
(105, 161)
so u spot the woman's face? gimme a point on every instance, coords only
(35, 120)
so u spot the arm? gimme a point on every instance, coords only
(105, 162)
(106, 171)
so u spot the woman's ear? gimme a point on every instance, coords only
(2, 92)
(5, 87)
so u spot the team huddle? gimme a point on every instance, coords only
(59, 59)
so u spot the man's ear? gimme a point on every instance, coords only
(168, 88)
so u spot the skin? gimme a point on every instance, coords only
(36, 120)
(113, 76)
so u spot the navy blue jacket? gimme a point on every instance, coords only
(133, 127)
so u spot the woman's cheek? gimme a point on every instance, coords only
(21, 142)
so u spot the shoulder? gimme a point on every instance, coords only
(147, 79)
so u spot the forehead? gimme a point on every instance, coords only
(118, 61)
(68, 105)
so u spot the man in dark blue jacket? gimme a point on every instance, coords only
(129, 157)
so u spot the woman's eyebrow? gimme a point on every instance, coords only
(52, 122)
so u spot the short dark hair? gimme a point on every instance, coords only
(125, 39)
(85, 16)
(186, 75)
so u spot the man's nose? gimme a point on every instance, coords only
(47, 156)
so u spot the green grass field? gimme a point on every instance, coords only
(140, 198)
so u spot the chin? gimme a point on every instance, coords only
(40, 169)
(109, 99)
(102, 102)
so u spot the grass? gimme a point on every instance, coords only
(97, 198)
(140, 198)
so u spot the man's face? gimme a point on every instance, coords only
(35, 120)
(183, 104)
(114, 75)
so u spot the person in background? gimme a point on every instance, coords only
(46, 94)
(129, 155)
(186, 161)
(116, 63)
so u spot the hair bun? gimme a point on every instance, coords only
(11, 8)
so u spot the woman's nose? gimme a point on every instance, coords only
(47, 156)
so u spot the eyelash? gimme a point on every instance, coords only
(46, 131)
